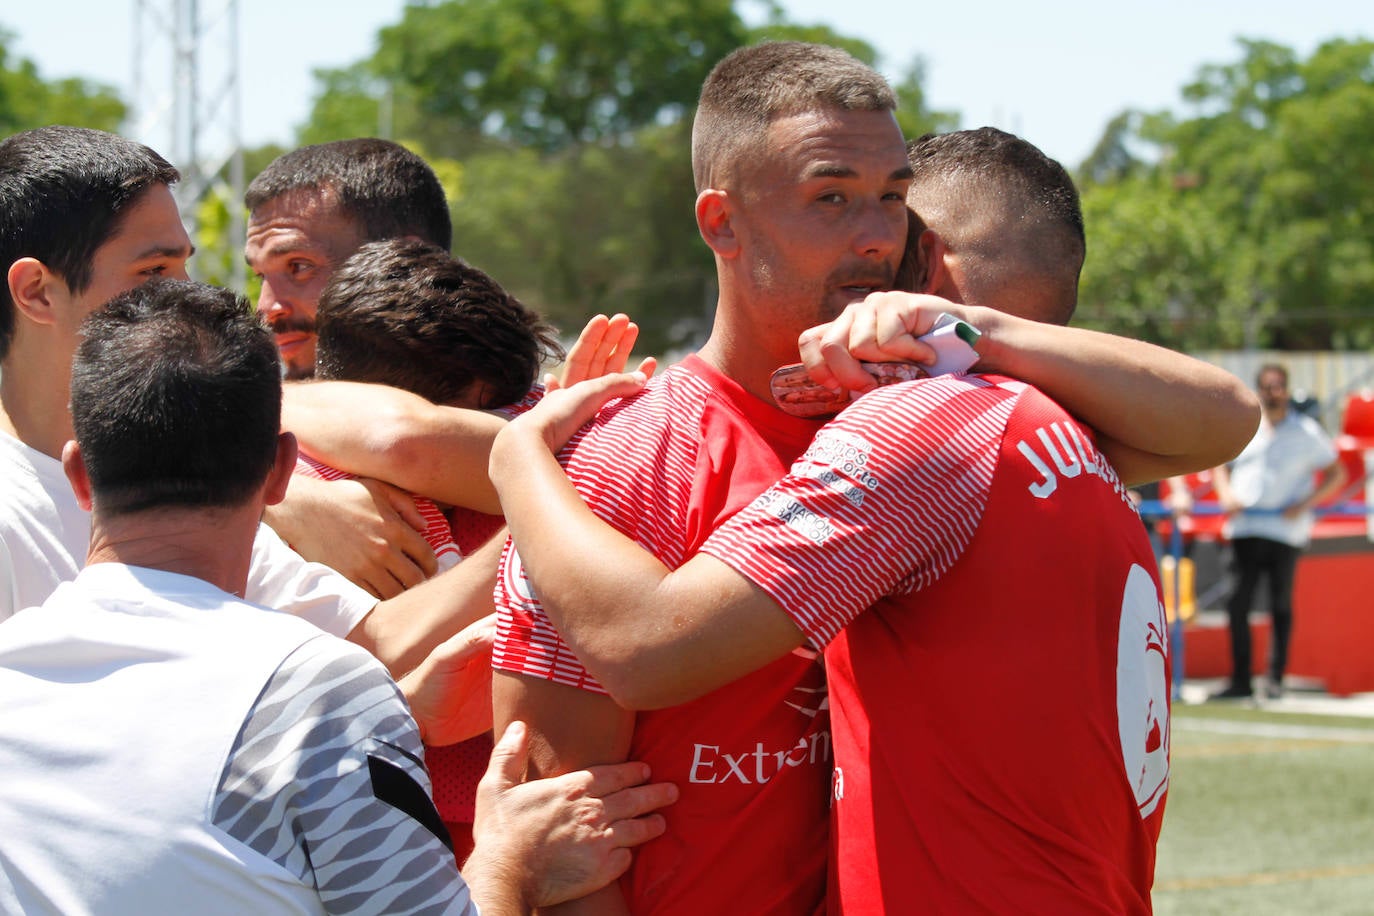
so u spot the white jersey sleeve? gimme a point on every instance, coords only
(326, 780)
(283, 580)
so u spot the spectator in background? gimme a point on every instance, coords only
(1268, 492)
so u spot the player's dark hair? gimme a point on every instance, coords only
(176, 398)
(407, 314)
(388, 190)
(63, 193)
(1009, 210)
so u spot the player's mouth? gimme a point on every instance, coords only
(857, 290)
(291, 341)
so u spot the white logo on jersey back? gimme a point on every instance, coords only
(1142, 689)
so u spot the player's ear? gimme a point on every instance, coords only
(282, 466)
(911, 272)
(31, 285)
(940, 264)
(74, 466)
(715, 210)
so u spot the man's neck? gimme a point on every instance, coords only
(215, 545)
(1276, 415)
(34, 405)
(745, 354)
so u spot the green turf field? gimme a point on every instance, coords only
(1268, 813)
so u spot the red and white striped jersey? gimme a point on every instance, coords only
(752, 759)
(996, 648)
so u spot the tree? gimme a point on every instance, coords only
(914, 116)
(27, 100)
(1258, 205)
(550, 75)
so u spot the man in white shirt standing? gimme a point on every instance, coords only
(1269, 491)
(170, 746)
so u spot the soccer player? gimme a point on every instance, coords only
(986, 598)
(802, 179)
(407, 314)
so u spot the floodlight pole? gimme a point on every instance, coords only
(200, 132)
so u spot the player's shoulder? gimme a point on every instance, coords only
(938, 394)
(666, 403)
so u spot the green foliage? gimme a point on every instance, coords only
(348, 103)
(593, 229)
(27, 100)
(550, 75)
(1251, 224)
(217, 255)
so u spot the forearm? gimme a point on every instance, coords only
(402, 630)
(651, 636)
(495, 884)
(570, 729)
(1334, 478)
(1159, 412)
(396, 436)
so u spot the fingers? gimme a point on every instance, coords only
(603, 346)
(389, 571)
(637, 801)
(621, 335)
(825, 351)
(412, 559)
(893, 336)
(607, 779)
(404, 505)
(509, 759)
(647, 367)
(401, 549)
(884, 327)
(575, 367)
(637, 831)
(471, 642)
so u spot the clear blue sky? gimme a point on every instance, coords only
(1054, 72)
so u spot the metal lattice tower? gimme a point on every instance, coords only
(195, 117)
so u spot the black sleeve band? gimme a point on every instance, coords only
(393, 785)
